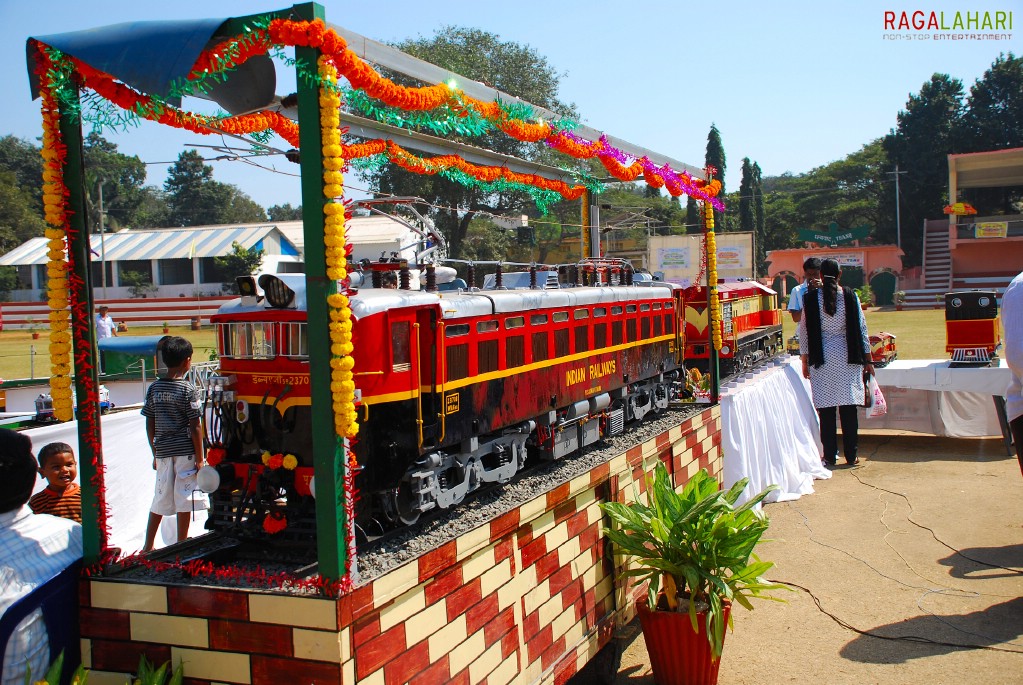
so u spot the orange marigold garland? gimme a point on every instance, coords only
(714, 301)
(55, 195)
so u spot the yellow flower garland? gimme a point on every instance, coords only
(55, 209)
(342, 384)
(714, 302)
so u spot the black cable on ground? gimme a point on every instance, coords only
(900, 638)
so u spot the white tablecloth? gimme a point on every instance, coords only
(130, 478)
(770, 433)
(926, 396)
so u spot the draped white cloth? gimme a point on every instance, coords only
(770, 433)
(130, 478)
(927, 396)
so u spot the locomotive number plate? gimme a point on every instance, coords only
(451, 403)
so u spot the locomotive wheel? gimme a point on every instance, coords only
(403, 504)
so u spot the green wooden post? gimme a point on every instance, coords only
(331, 523)
(90, 446)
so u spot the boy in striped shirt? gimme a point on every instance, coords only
(172, 412)
(61, 496)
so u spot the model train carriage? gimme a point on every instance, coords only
(971, 326)
(751, 325)
(456, 386)
(882, 349)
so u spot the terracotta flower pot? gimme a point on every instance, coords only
(678, 654)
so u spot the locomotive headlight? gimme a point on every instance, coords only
(278, 294)
(725, 349)
(957, 302)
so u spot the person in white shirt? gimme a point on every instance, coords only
(1012, 324)
(33, 549)
(811, 274)
(105, 326)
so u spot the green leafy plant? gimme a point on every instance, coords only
(147, 674)
(866, 294)
(695, 545)
(900, 297)
(138, 283)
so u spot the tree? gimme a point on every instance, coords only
(239, 262)
(759, 225)
(20, 219)
(285, 212)
(926, 133)
(513, 68)
(24, 160)
(195, 199)
(994, 116)
(746, 220)
(121, 177)
(138, 284)
(715, 157)
(694, 222)
(8, 282)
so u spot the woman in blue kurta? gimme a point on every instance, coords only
(835, 351)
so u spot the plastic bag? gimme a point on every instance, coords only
(878, 406)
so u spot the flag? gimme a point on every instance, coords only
(191, 251)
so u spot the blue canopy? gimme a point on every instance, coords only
(131, 344)
(150, 56)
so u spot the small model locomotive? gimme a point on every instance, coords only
(971, 327)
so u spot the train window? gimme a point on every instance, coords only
(630, 308)
(599, 336)
(600, 311)
(540, 352)
(669, 305)
(616, 311)
(538, 319)
(669, 324)
(515, 351)
(630, 330)
(295, 341)
(249, 340)
(458, 362)
(400, 357)
(560, 317)
(487, 358)
(581, 314)
(644, 307)
(456, 330)
(657, 326)
(616, 333)
(582, 338)
(644, 328)
(515, 322)
(657, 306)
(561, 343)
(486, 326)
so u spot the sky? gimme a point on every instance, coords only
(792, 85)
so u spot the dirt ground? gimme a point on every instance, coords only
(910, 568)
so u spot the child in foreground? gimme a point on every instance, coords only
(61, 496)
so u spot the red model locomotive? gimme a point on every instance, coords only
(751, 328)
(971, 326)
(882, 349)
(456, 388)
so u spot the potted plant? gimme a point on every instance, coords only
(695, 549)
(196, 323)
(939, 301)
(166, 329)
(866, 296)
(32, 328)
(900, 300)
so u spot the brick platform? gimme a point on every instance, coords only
(529, 597)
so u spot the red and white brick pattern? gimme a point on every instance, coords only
(529, 597)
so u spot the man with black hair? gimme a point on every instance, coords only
(33, 549)
(811, 278)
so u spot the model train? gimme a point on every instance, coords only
(751, 328)
(457, 389)
(971, 326)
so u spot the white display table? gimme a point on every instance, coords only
(927, 396)
(770, 433)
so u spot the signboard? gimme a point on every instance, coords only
(843, 258)
(672, 258)
(833, 235)
(991, 229)
(677, 258)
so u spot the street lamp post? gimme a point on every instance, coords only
(898, 210)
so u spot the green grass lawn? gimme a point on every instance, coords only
(16, 349)
(920, 334)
